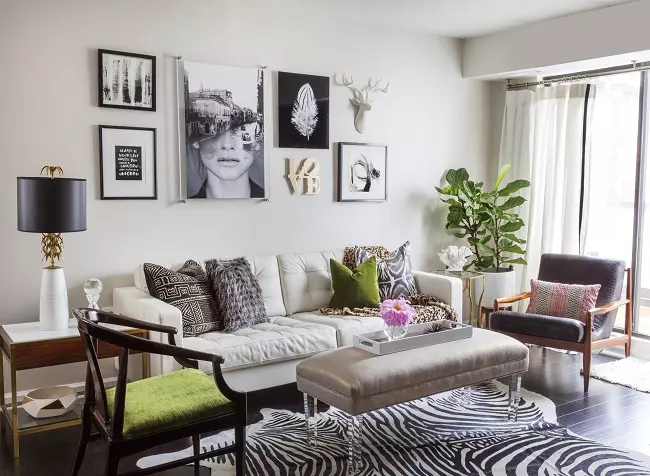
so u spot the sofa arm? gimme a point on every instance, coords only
(445, 288)
(135, 303)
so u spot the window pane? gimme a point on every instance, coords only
(610, 172)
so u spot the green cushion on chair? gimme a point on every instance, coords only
(167, 401)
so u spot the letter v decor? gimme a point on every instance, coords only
(307, 171)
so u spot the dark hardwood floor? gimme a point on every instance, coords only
(610, 414)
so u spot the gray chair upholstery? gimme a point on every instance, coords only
(569, 269)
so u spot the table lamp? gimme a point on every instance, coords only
(52, 206)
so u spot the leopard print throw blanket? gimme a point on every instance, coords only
(427, 309)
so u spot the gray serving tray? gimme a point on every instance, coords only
(377, 343)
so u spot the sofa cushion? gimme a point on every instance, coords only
(188, 290)
(394, 272)
(355, 287)
(346, 326)
(306, 279)
(237, 293)
(284, 338)
(265, 269)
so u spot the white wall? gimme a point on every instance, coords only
(431, 119)
(608, 32)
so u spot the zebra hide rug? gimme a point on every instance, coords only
(435, 436)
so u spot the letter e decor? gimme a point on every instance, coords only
(307, 171)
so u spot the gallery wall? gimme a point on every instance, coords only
(431, 120)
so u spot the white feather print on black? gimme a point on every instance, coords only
(304, 116)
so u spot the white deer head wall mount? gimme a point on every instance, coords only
(361, 98)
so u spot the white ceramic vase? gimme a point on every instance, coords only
(53, 313)
(497, 285)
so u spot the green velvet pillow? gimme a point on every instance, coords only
(356, 287)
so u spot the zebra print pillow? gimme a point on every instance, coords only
(394, 272)
(237, 293)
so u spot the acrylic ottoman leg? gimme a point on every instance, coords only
(514, 397)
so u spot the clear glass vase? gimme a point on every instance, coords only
(395, 332)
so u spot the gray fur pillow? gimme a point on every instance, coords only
(237, 293)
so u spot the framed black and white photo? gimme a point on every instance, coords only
(127, 80)
(362, 172)
(127, 163)
(225, 136)
(303, 111)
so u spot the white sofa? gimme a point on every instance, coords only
(294, 286)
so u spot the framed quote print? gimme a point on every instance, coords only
(127, 163)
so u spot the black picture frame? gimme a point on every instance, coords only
(342, 167)
(290, 94)
(102, 189)
(101, 78)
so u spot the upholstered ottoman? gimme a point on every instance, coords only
(356, 381)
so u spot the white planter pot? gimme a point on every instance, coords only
(498, 285)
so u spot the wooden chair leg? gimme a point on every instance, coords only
(586, 368)
(83, 440)
(196, 444)
(112, 461)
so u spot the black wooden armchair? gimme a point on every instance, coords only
(137, 416)
(571, 334)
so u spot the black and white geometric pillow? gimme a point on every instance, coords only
(188, 290)
(237, 293)
(394, 272)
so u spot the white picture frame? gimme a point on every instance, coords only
(127, 163)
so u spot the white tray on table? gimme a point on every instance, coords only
(378, 344)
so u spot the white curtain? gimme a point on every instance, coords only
(543, 140)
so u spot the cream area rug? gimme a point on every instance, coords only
(630, 372)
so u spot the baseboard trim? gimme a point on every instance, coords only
(77, 386)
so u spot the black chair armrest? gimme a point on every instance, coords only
(105, 317)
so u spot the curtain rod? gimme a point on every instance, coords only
(551, 80)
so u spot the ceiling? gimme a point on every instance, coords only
(459, 18)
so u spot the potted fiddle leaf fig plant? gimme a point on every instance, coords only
(489, 222)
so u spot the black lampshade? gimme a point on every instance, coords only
(48, 205)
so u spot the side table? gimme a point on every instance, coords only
(26, 346)
(467, 277)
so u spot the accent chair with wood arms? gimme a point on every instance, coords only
(136, 416)
(572, 334)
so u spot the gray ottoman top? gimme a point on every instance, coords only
(357, 381)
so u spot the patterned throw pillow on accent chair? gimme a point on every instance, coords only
(188, 290)
(562, 300)
(394, 273)
(237, 293)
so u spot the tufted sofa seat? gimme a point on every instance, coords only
(281, 339)
(294, 287)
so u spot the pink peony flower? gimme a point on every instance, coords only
(396, 312)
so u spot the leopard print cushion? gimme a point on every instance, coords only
(427, 309)
(380, 252)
